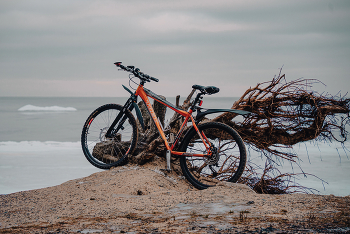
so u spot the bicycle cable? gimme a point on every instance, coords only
(131, 77)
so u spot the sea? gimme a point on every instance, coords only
(40, 146)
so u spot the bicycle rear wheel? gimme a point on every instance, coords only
(105, 152)
(227, 162)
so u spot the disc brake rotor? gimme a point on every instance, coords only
(214, 159)
(103, 133)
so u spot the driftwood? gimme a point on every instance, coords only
(150, 143)
(271, 181)
(283, 114)
(286, 113)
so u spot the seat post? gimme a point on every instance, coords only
(196, 100)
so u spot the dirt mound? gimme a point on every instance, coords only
(143, 199)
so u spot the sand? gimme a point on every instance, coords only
(143, 199)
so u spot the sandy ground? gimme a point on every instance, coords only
(142, 199)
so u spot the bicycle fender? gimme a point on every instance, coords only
(200, 114)
(138, 114)
(128, 90)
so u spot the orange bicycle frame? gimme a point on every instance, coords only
(188, 115)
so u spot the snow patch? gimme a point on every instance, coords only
(46, 108)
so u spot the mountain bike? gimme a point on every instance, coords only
(209, 152)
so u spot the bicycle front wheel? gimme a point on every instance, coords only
(226, 163)
(103, 152)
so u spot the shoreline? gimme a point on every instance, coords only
(24, 164)
(142, 199)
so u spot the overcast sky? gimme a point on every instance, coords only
(68, 47)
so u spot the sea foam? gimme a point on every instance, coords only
(46, 108)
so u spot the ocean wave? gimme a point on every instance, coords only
(46, 108)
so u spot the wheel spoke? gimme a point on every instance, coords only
(100, 151)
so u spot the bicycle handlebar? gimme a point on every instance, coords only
(136, 72)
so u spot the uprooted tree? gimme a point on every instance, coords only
(282, 115)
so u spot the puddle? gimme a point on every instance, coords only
(183, 217)
(183, 206)
(91, 231)
(218, 208)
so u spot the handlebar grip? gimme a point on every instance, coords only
(119, 64)
(154, 79)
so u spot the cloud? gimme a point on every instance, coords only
(39, 87)
(180, 22)
(232, 43)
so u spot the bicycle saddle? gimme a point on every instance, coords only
(206, 89)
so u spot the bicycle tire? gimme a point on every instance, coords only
(228, 163)
(105, 152)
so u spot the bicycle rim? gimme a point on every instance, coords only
(105, 152)
(226, 164)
